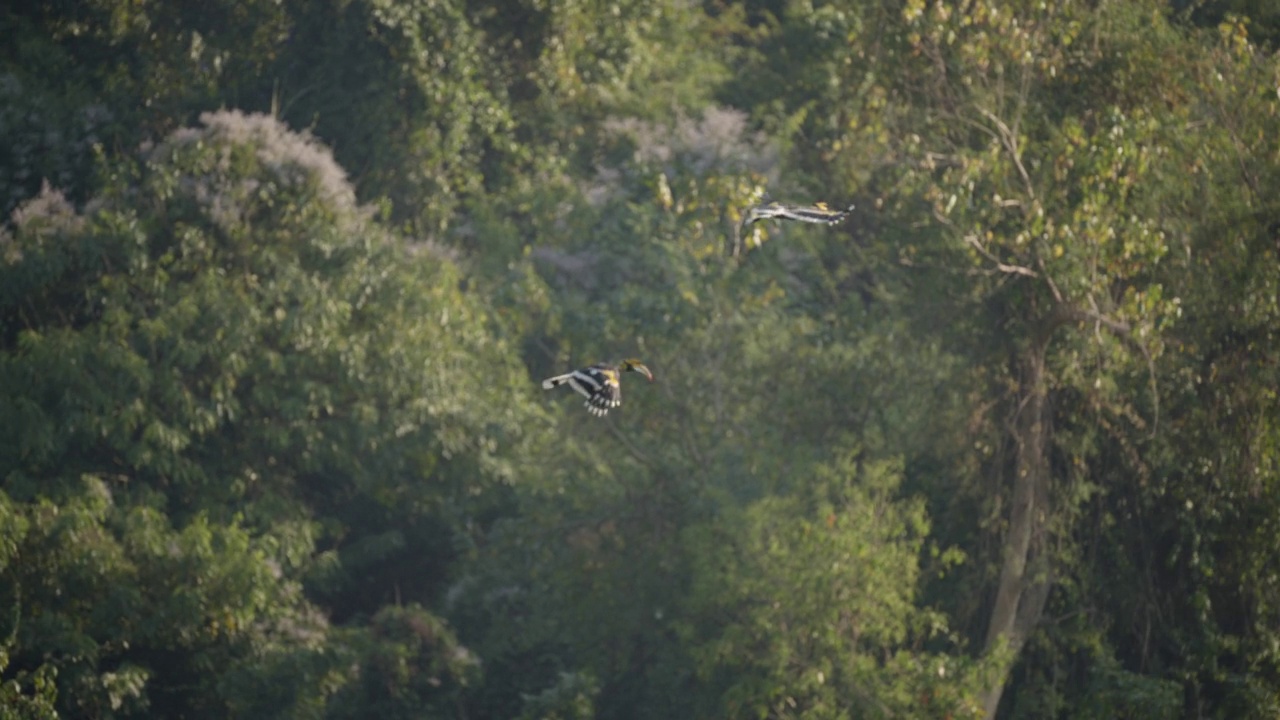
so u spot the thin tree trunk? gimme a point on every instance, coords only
(1024, 575)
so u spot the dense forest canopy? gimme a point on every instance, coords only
(279, 281)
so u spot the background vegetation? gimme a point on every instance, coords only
(278, 280)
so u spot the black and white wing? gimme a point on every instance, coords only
(816, 213)
(597, 383)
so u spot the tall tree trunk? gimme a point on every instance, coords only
(1024, 576)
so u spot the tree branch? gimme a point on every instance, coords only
(972, 241)
(1010, 142)
(1053, 287)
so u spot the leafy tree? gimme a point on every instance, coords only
(408, 95)
(1196, 525)
(137, 616)
(803, 605)
(1261, 19)
(24, 695)
(1043, 140)
(114, 74)
(411, 666)
(264, 386)
(261, 455)
(599, 570)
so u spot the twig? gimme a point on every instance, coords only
(1002, 267)
(1010, 142)
(1053, 287)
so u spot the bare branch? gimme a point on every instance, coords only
(1073, 313)
(1010, 142)
(933, 160)
(979, 126)
(1002, 267)
(1053, 287)
(1024, 92)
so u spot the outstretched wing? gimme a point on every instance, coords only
(816, 213)
(598, 384)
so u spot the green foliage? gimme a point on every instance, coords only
(227, 330)
(24, 695)
(804, 605)
(572, 66)
(132, 614)
(1210, 501)
(597, 569)
(19, 703)
(408, 95)
(108, 74)
(1065, 154)
(271, 441)
(1114, 692)
(253, 296)
(571, 698)
(410, 665)
(1262, 18)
